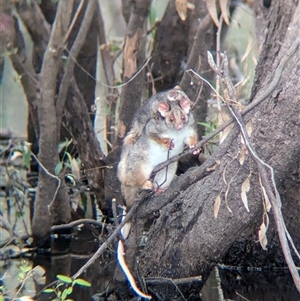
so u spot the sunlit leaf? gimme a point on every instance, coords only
(212, 9)
(19, 213)
(115, 47)
(245, 188)
(217, 206)
(224, 10)
(248, 49)
(64, 278)
(152, 15)
(69, 290)
(64, 144)
(48, 290)
(58, 168)
(82, 282)
(27, 158)
(205, 124)
(27, 269)
(69, 159)
(75, 168)
(64, 294)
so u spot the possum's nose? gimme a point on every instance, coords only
(179, 126)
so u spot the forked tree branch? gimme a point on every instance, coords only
(76, 47)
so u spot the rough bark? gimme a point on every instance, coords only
(78, 120)
(277, 24)
(247, 253)
(134, 58)
(187, 240)
(201, 39)
(170, 49)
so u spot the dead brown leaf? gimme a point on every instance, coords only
(248, 49)
(242, 154)
(181, 7)
(249, 127)
(212, 9)
(121, 129)
(75, 169)
(224, 10)
(245, 188)
(262, 236)
(267, 203)
(217, 206)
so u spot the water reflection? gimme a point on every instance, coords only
(254, 285)
(223, 284)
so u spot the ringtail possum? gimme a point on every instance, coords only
(160, 131)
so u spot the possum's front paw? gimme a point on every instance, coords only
(169, 144)
(147, 185)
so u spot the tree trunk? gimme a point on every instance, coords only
(47, 202)
(47, 95)
(187, 239)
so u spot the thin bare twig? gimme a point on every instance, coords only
(113, 86)
(79, 8)
(115, 213)
(75, 223)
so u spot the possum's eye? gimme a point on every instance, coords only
(182, 117)
(172, 118)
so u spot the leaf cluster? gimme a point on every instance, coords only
(68, 283)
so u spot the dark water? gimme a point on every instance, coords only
(223, 284)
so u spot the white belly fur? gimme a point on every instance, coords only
(159, 153)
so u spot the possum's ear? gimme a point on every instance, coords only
(172, 95)
(185, 105)
(163, 108)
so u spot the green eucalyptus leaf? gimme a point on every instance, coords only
(64, 278)
(82, 282)
(26, 158)
(64, 294)
(69, 158)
